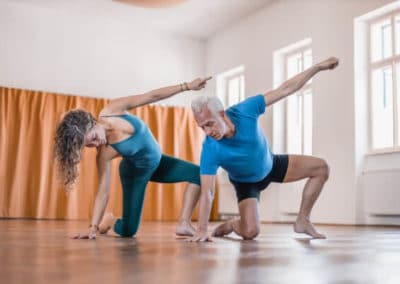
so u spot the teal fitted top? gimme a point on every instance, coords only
(141, 148)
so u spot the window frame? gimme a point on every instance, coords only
(227, 79)
(300, 94)
(391, 61)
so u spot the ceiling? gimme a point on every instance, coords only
(192, 18)
(152, 3)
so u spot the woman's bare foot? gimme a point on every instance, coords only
(107, 223)
(304, 226)
(185, 229)
(222, 230)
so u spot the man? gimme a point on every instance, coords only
(235, 142)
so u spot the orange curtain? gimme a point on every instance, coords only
(29, 187)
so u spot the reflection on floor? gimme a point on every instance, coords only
(41, 252)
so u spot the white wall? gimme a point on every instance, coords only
(81, 54)
(329, 24)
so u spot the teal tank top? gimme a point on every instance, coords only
(141, 148)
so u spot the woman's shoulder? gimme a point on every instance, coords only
(106, 153)
(106, 112)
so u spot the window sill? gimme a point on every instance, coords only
(384, 151)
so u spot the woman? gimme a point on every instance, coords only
(117, 133)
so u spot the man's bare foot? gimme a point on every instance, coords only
(107, 223)
(222, 230)
(185, 229)
(304, 226)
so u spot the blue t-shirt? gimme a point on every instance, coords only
(245, 156)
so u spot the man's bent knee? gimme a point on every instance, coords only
(250, 232)
(324, 170)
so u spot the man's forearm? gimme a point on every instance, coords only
(297, 82)
(204, 210)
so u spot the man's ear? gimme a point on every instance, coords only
(225, 117)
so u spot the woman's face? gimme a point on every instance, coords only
(96, 136)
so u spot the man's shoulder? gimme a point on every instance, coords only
(209, 143)
(212, 147)
(251, 106)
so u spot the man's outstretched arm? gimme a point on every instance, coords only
(297, 82)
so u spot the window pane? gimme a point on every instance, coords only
(307, 59)
(300, 121)
(233, 91)
(381, 40)
(294, 65)
(397, 21)
(241, 97)
(398, 103)
(294, 137)
(382, 108)
(307, 109)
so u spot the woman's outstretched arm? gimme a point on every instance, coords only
(120, 105)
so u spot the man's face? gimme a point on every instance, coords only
(212, 124)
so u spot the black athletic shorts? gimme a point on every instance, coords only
(252, 189)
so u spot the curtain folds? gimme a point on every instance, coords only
(28, 183)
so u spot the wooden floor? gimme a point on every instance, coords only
(41, 252)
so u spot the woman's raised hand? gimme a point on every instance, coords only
(198, 84)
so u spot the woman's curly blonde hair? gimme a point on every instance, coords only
(68, 142)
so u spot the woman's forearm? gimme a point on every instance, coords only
(126, 103)
(100, 205)
(166, 92)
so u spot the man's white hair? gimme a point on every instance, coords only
(212, 103)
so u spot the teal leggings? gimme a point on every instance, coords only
(134, 181)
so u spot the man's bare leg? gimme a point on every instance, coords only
(317, 171)
(247, 226)
(311, 192)
(226, 228)
(190, 198)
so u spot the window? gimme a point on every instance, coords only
(299, 105)
(384, 72)
(230, 89)
(235, 87)
(231, 86)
